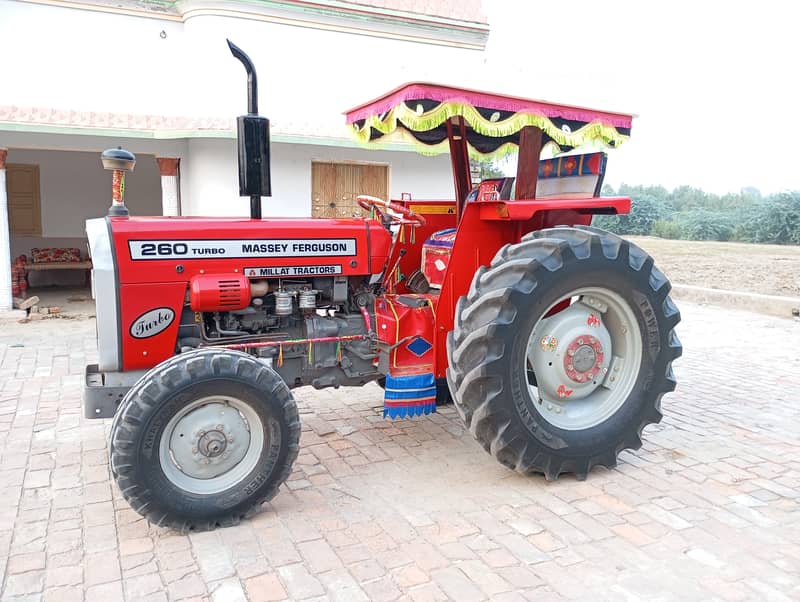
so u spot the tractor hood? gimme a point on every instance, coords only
(166, 249)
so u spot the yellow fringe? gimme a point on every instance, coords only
(591, 132)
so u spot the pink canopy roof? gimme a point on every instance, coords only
(493, 120)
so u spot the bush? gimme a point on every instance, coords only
(702, 224)
(645, 211)
(692, 214)
(666, 229)
(777, 219)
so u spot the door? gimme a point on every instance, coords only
(335, 186)
(24, 203)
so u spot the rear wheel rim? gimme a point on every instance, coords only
(211, 444)
(585, 359)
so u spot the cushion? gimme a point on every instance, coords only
(573, 165)
(56, 255)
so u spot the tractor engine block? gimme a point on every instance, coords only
(281, 319)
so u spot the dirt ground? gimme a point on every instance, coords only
(766, 269)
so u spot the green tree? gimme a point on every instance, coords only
(777, 219)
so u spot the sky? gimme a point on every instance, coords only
(714, 84)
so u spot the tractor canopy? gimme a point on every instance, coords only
(424, 114)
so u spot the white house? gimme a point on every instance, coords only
(156, 77)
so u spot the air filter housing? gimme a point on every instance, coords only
(219, 292)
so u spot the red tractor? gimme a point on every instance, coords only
(554, 339)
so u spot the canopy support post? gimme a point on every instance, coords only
(459, 159)
(530, 148)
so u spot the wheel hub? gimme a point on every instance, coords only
(209, 440)
(570, 352)
(584, 358)
(212, 444)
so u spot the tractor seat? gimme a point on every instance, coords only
(568, 176)
(436, 256)
(571, 176)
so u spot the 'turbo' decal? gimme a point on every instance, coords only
(152, 322)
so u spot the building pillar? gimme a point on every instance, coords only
(170, 185)
(5, 238)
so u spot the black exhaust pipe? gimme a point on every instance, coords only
(252, 137)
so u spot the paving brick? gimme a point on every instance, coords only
(187, 586)
(142, 586)
(456, 585)
(70, 593)
(228, 590)
(105, 592)
(31, 582)
(22, 563)
(341, 587)
(299, 582)
(65, 575)
(101, 568)
(522, 549)
(319, 556)
(265, 588)
(425, 556)
(410, 575)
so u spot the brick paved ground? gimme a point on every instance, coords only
(709, 509)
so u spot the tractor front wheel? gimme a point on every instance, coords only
(562, 350)
(203, 439)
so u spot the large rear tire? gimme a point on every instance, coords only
(203, 439)
(562, 350)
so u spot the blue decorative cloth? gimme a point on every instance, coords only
(573, 165)
(409, 395)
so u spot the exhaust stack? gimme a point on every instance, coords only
(253, 141)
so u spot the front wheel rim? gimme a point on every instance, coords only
(211, 444)
(584, 359)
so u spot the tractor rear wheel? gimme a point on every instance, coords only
(562, 350)
(203, 439)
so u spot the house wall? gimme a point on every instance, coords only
(131, 64)
(69, 58)
(210, 185)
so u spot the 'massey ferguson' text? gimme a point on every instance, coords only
(203, 249)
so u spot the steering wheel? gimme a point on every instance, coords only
(406, 216)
